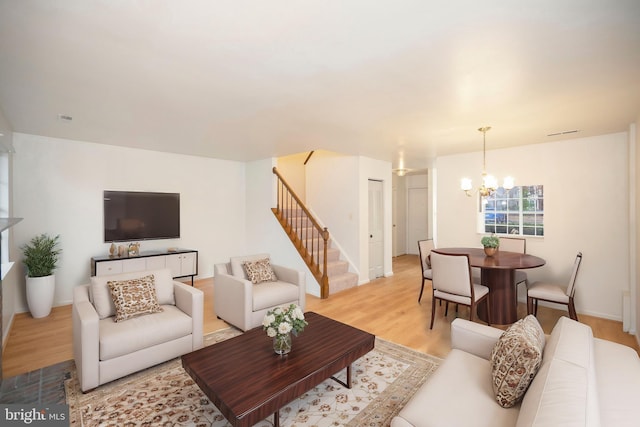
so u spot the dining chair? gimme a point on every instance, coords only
(519, 245)
(424, 249)
(453, 282)
(552, 292)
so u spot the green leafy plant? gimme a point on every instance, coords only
(490, 241)
(41, 255)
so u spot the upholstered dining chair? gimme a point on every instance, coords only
(424, 249)
(555, 293)
(453, 282)
(519, 245)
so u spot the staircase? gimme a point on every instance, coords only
(312, 242)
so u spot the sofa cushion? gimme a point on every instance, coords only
(271, 294)
(259, 271)
(100, 295)
(118, 339)
(618, 378)
(564, 390)
(134, 297)
(458, 393)
(236, 264)
(164, 286)
(515, 360)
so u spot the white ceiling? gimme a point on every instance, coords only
(246, 80)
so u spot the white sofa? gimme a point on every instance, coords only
(105, 350)
(582, 381)
(243, 304)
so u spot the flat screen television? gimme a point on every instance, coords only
(134, 215)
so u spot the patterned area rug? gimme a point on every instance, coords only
(382, 382)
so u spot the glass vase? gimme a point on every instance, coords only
(282, 343)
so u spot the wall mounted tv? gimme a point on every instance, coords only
(133, 215)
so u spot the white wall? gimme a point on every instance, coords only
(332, 196)
(586, 209)
(58, 187)
(292, 168)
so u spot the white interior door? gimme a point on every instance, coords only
(394, 220)
(417, 219)
(376, 230)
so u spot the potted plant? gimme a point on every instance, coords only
(490, 244)
(280, 323)
(41, 256)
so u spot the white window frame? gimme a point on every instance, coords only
(5, 209)
(511, 226)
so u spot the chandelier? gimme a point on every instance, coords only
(489, 182)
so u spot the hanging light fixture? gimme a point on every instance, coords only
(401, 170)
(489, 182)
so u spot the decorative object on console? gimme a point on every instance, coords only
(113, 250)
(490, 244)
(280, 323)
(134, 249)
(41, 258)
(489, 182)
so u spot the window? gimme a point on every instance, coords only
(516, 211)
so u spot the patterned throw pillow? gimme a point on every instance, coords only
(259, 271)
(134, 297)
(515, 360)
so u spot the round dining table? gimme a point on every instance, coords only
(498, 274)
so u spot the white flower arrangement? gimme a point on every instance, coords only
(284, 320)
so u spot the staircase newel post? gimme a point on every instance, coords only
(324, 290)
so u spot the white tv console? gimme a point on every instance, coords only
(181, 262)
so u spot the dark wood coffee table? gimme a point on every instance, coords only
(248, 382)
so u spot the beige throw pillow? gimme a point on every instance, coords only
(515, 360)
(259, 271)
(134, 297)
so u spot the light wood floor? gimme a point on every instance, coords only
(386, 307)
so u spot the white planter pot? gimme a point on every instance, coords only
(40, 291)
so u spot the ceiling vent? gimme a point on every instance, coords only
(564, 132)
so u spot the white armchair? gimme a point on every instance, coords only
(242, 303)
(105, 350)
